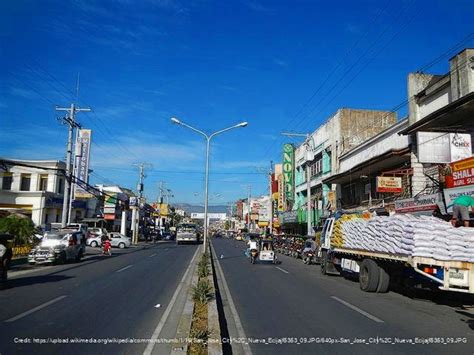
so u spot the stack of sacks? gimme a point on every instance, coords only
(337, 239)
(407, 235)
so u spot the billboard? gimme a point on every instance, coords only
(288, 170)
(439, 148)
(83, 144)
(197, 215)
(462, 173)
(389, 184)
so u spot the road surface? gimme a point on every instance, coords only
(118, 297)
(293, 302)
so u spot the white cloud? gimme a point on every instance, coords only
(240, 164)
(24, 93)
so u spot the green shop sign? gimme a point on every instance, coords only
(288, 170)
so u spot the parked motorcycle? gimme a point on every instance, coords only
(309, 257)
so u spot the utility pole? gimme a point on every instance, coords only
(249, 209)
(70, 120)
(136, 209)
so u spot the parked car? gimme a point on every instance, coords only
(94, 241)
(58, 247)
(119, 240)
(97, 232)
(6, 255)
(96, 236)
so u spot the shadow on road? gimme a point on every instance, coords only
(33, 280)
(469, 318)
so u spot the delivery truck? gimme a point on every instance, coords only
(376, 270)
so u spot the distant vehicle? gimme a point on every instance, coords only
(119, 240)
(167, 236)
(77, 227)
(58, 247)
(187, 232)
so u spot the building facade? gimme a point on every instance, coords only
(34, 188)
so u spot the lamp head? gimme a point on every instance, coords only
(242, 124)
(175, 120)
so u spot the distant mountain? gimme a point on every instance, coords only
(200, 209)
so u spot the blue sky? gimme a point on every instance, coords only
(280, 65)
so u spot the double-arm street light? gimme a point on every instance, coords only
(208, 141)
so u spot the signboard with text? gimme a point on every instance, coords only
(391, 184)
(462, 173)
(288, 170)
(451, 194)
(438, 148)
(83, 144)
(417, 204)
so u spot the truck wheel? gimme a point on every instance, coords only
(384, 281)
(324, 262)
(369, 276)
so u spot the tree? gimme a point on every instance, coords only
(21, 228)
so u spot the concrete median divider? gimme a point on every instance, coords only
(199, 328)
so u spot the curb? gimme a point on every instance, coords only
(184, 325)
(214, 345)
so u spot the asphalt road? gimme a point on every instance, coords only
(100, 297)
(294, 301)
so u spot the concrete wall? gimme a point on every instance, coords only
(356, 126)
(462, 73)
(378, 145)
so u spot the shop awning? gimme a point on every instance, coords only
(388, 161)
(457, 117)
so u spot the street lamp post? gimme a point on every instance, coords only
(208, 145)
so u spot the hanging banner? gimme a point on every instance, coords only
(288, 170)
(81, 171)
(389, 184)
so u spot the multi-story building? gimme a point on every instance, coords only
(34, 188)
(318, 158)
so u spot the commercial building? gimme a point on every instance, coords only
(319, 157)
(34, 188)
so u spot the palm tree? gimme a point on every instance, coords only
(21, 228)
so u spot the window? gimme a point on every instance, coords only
(60, 186)
(25, 182)
(7, 181)
(43, 183)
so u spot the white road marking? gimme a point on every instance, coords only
(233, 310)
(41, 306)
(357, 309)
(158, 305)
(152, 255)
(124, 268)
(164, 317)
(279, 268)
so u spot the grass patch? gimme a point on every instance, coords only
(202, 293)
